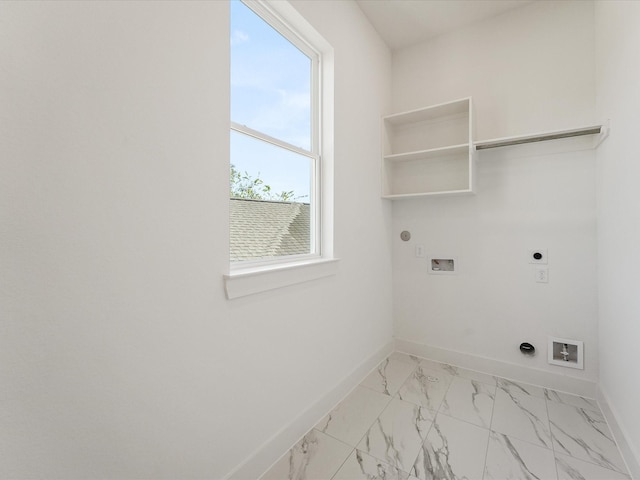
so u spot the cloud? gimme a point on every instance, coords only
(238, 37)
(294, 100)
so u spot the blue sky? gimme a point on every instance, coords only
(270, 92)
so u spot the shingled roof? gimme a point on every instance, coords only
(262, 228)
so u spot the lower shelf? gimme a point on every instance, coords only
(434, 176)
(447, 193)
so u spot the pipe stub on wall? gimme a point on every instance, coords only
(527, 348)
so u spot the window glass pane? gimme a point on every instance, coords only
(270, 80)
(270, 200)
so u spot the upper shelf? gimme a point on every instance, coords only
(457, 107)
(601, 130)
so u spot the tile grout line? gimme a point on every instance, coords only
(426, 435)
(606, 421)
(342, 464)
(493, 408)
(324, 415)
(550, 401)
(435, 417)
(553, 448)
(590, 461)
(435, 413)
(391, 398)
(396, 396)
(438, 411)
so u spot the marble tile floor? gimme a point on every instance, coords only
(414, 418)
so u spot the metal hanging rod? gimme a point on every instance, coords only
(540, 137)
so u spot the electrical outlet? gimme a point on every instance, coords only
(542, 275)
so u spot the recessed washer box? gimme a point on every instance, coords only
(565, 352)
(443, 264)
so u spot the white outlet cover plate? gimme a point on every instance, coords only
(542, 274)
(543, 260)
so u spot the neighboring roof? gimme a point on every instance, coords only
(261, 228)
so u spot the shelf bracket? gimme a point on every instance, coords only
(604, 133)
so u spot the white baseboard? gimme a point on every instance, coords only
(520, 373)
(271, 451)
(630, 456)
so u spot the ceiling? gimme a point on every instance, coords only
(401, 23)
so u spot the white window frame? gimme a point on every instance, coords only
(246, 277)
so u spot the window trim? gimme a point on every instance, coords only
(250, 277)
(270, 277)
(268, 15)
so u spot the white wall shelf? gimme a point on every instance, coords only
(429, 151)
(434, 112)
(450, 193)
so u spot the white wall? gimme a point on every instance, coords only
(618, 77)
(531, 69)
(119, 355)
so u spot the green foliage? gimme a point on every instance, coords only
(243, 185)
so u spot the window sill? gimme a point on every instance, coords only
(241, 283)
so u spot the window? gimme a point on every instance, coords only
(274, 139)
